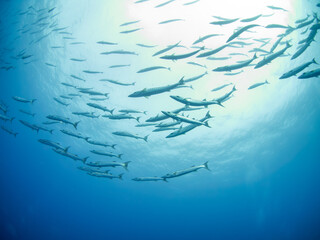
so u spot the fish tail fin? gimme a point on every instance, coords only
(66, 149)
(288, 44)
(84, 160)
(169, 68)
(134, 83)
(138, 119)
(15, 134)
(206, 165)
(145, 112)
(267, 82)
(234, 88)
(51, 131)
(191, 87)
(181, 81)
(146, 138)
(255, 56)
(208, 115)
(314, 61)
(120, 176)
(87, 138)
(220, 104)
(33, 100)
(76, 124)
(206, 124)
(12, 119)
(113, 146)
(164, 179)
(119, 155)
(106, 94)
(111, 111)
(125, 165)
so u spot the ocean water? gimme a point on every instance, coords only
(262, 146)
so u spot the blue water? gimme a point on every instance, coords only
(262, 147)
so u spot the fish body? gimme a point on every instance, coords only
(9, 131)
(121, 52)
(120, 66)
(109, 164)
(310, 74)
(145, 46)
(98, 143)
(186, 171)
(149, 179)
(171, 20)
(296, 70)
(100, 107)
(221, 87)
(86, 114)
(107, 43)
(121, 116)
(157, 90)
(241, 30)
(78, 78)
(211, 52)
(70, 155)
(117, 82)
(192, 102)
(251, 19)
(132, 111)
(105, 175)
(93, 93)
(127, 134)
(195, 77)
(258, 84)
(61, 102)
(130, 31)
(152, 68)
(63, 119)
(53, 144)
(29, 125)
(108, 154)
(180, 56)
(129, 23)
(23, 100)
(163, 4)
(91, 72)
(6, 118)
(272, 56)
(224, 22)
(201, 39)
(226, 96)
(166, 49)
(181, 118)
(235, 66)
(74, 134)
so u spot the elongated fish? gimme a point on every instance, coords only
(201, 39)
(30, 125)
(130, 31)
(129, 23)
(145, 46)
(105, 175)
(251, 19)
(224, 22)
(107, 43)
(171, 20)
(108, 154)
(195, 77)
(310, 74)
(100, 107)
(181, 56)
(121, 52)
(78, 78)
(91, 72)
(121, 117)
(149, 179)
(61, 102)
(220, 87)
(192, 2)
(157, 90)
(152, 68)
(63, 119)
(53, 144)
(23, 100)
(181, 118)
(9, 131)
(241, 30)
(277, 8)
(235, 66)
(120, 66)
(117, 82)
(226, 96)
(70, 155)
(298, 69)
(109, 164)
(277, 26)
(127, 134)
(258, 84)
(27, 113)
(99, 143)
(132, 111)
(166, 49)
(93, 93)
(186, 171)
(163, 4)
(272, 56)
(73, 134)
(211, 52)
(303, 19)
(197, 64)
(78, 59)
(161, 117)
(193, 102)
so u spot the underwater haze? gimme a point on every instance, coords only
(159, 119)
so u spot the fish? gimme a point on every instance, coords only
(120, 66)
(235, 66)
(105, 175)
(132, 111)
(99, 99)
(76, 43)
(166, 49)
(70, 155)
(9, 131)
(23, 100)
(63, 119)
(272, 56)
(29, 125)
(152, 68)
(93, 93)
(43, 128)
(78, 59)
(189, 3)
(218, 58)
(86, 114)
(129, 23)
(78, 78)
(98, 143)
(186, 171)
(100, 107)
(109, 164)
(258, 84)
(234, 73)
(146, 92)
(197, 64)
(201, 39)
(61, 102)
(195, 77)
(163, 4)
(121, 116)
(193, 102)
(117, 82)
(310, 74)
(122, 52)
(145, 124)
(241, 30)
(73, 134)
(277, 8)
(53, 144)
(50, 122)
(181, 118)
(251, 19)
(303, 19)
(6, 118)
(145, 46)
(50, 64)
(3, 107)
(168, 124)
(108, 154)
(91, 72)
(131, 31)
(27, 113)
(90, 169)
(304, 24)
(127, 134)
(150, 179)
(140, 1)
(221, 87)
(107, 43)
(298, 69)
(181, 56)
(277, 26)
(164, 129)
(68, 85)
(224, 22)
(171, 20)
(300, 50)
(226, 96)
(276, 44)
(211, 52)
